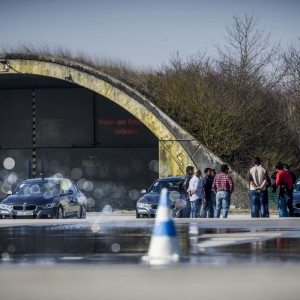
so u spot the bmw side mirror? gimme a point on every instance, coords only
(143, 191)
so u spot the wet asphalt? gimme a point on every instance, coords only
(254, 258)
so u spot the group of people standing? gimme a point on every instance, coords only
(207, 195)
(281, 182)
(210, 194)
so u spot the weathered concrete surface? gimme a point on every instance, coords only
(177, 148)
(111, 282)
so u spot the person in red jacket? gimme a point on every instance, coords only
(284, 186)
(291, 198)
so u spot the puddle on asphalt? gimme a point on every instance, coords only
(102, 243)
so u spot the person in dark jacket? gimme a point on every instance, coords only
(189, 172)
(208, 205)
(269, 184)
(287, 168)
(213, 193)
(290, 192)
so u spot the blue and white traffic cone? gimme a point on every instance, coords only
(164, 246)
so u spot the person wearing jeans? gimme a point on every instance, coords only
(282, 206)
(208, 204)
(195, 208)
(223, 186)
(258, 195)
(222, 201)
(196, 193)
(184, 185)
(284, 186)
(290, 192)
(258, 203)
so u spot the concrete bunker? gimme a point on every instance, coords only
(59, 116)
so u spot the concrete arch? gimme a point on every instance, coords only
(177, 148)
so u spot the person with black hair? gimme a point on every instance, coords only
(290, 207)
(196, 193)
(184, 184)
(208, 205)
(284, 185)
(223, 186)
(213, 193)
(258, 182)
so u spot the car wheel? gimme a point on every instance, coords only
(60, 213)
(152, 216)
(82, 212)
(137, 215)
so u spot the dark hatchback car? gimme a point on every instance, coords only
(296, 202)
(44, 198)
(147, 205)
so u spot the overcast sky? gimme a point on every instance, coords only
(139, 32)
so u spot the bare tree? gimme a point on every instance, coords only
(292, 62)
(292, 89)
(248, 53)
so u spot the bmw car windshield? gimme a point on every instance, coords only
(41, 188)
(172, 185)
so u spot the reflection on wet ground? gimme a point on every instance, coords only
(119, 243)
(255, 247)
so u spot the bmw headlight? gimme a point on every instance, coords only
(5, 206)
(48, 205)
(143, 205)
